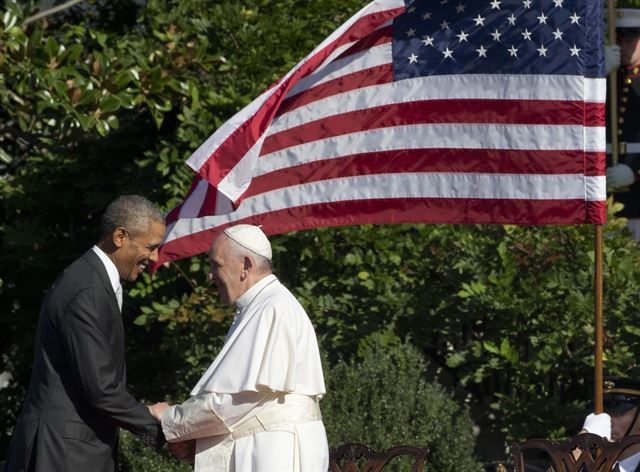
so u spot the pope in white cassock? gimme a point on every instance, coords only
(256, 407)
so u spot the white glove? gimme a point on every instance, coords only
(598, 424)
(620, 175)
(611, 57)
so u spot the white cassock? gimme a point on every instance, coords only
(256, 406)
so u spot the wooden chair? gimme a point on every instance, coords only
(352, 454)
(581, 453)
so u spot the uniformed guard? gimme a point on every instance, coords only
(624, 178)
(621, 401)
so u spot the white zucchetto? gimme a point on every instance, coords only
(250, 237)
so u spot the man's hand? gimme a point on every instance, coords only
(157, 409)
(611, 57)
(184, 450)
(620, 175)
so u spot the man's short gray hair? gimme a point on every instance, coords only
(132, 212)
(263, 264)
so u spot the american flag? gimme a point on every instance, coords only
(437, 111)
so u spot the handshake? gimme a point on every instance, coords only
(184, 450)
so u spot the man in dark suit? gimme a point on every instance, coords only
(77, 398)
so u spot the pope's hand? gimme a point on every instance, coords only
(157, 409)
(611, 57)
(620, 175)
(599, 424)
(184, 450)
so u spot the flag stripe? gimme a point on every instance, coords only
(439, 111)
(411, 185)
(434, 160)
(376, 56)
(386, 211)
(465, 87)
(439, 136)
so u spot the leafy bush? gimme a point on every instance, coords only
(383, 400)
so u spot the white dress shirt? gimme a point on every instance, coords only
(112, 272)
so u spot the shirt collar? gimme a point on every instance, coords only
(248, 296)
(112, 271)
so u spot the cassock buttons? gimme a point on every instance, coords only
(627, 81)
(619, 132)
(620, 120)
(625, 99)
(635, 70)
(623, 109)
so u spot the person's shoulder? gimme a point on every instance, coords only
(79, 276)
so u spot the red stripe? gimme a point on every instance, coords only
(226, 156)
(394, 211)
(489, 161)
(439, 111)
(377, 75)
(378, 37)
(209, 203)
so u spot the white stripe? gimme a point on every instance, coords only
(441, 87)
(201, 155)
(193, 203)
(372, 57)
(434, 136)
(340, 49)
(405, 185)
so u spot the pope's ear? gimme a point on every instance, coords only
(247, 264)
(118, 236)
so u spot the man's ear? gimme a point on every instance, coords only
(118, 236)
(247, 265)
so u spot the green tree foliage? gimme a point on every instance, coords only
(109, 98)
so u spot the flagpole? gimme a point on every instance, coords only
(613, 87)
(598, 284)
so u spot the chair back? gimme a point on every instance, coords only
(581, 453)
(356, 457)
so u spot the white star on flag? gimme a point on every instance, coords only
(412, 58)
(462, 36)
(574, 50)
(447, 53)
(479, 20)
(526, 34)
(512, 20)
(482, 52)
(427, 40)
(496, 35)
(513, 51)
(542, 51)
(542, 18)
(574, 18)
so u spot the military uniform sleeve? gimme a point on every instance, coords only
(86, 330)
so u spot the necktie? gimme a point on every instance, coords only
(119, 297)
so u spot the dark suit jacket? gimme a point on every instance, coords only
(77, 397)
